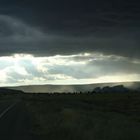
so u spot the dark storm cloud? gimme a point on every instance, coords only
(69, 27)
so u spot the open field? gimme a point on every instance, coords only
(85, 116)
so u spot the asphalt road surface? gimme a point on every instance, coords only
(15, 122)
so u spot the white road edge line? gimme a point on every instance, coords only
(6, 110)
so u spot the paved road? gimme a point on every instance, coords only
(14, 122)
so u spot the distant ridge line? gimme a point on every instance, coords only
(72, 88)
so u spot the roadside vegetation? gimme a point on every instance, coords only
(87, 116)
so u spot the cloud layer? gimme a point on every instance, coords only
(18, 37)
(83, 68)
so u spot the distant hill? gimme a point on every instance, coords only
(73, 88)
(9, 91)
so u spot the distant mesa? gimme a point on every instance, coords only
(114, 89)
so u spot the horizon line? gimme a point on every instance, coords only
(69, 84)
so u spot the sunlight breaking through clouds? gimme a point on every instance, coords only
(23, 69)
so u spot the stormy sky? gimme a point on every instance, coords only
(69, 42)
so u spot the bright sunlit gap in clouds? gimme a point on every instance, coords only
(84, 68)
